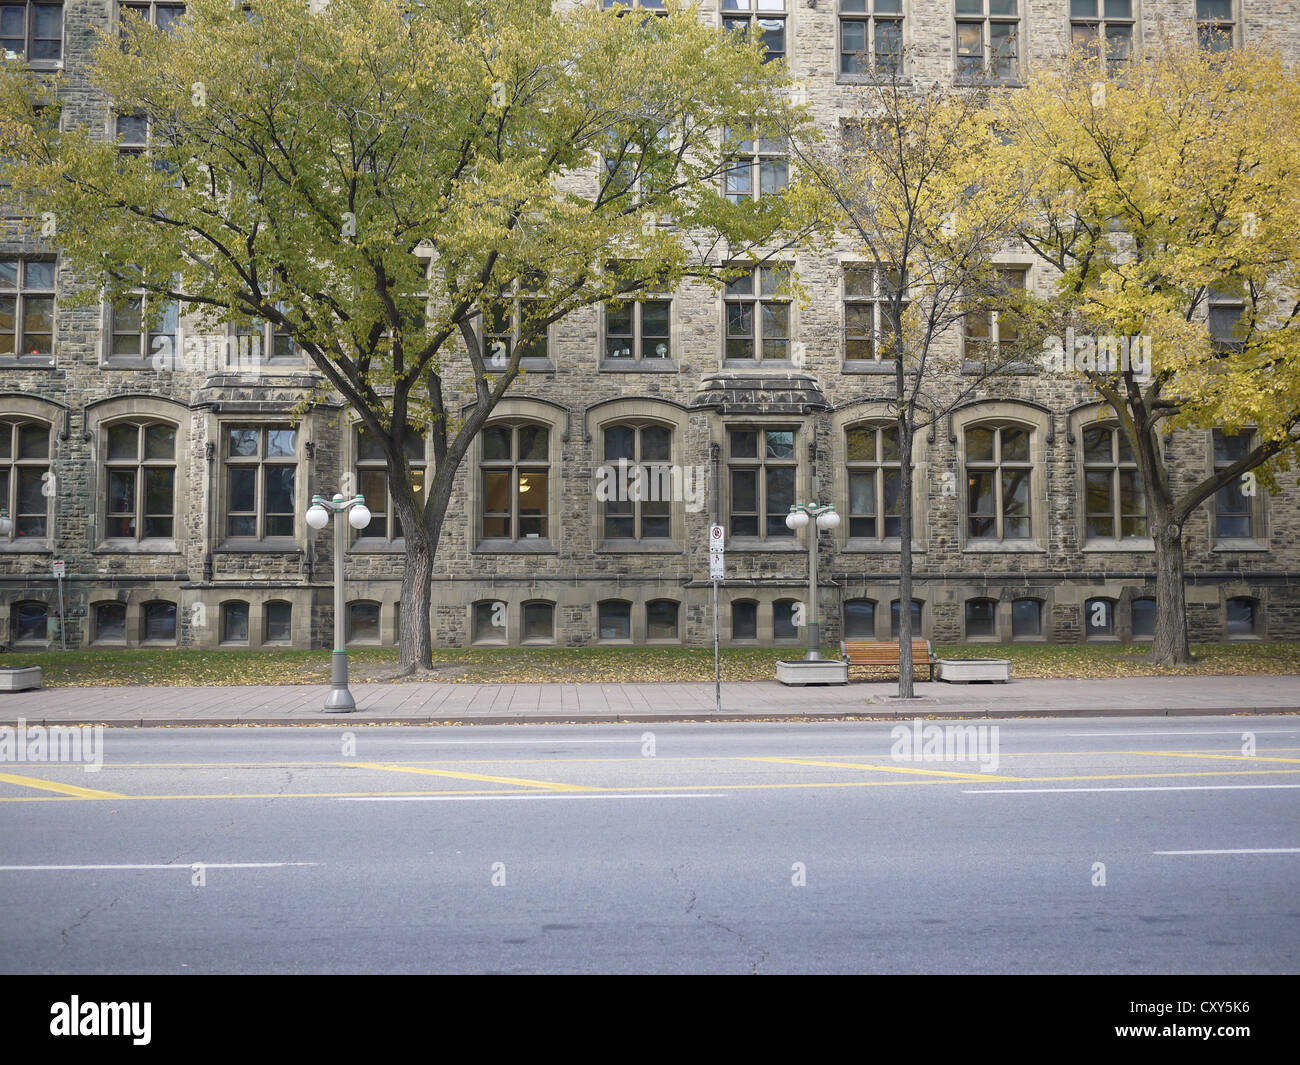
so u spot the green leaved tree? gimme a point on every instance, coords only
(374, 178)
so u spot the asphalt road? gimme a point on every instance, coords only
(1086, 845)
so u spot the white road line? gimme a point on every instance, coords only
(511, 798)
(1165, 787)
(1260, 850)
(176, 865)
(1182, 732)
(477, 743)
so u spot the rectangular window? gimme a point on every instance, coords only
(1216, 25)
(761, 469)
(373, 483)
(132, 337)
(1225, 309)
(988, 40)
(1115, 499)
(875, 482)
(757, 165)
(163, 16)
(871, 37)
(515, 472)
(868, 317)
(25, 485)
(1103, 27)
(990, 334)
(140, 477)
(1233, 512)
(261, 469)
(516, 321)
(27, 308)
(767, 22)
(756, 307)
(639, 331)
(33, 31)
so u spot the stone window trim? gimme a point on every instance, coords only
(1042, 611)
(159, 14)
(156, 616)
(863, 290)
(1078, 421)
(1217, 24)
(163, 339)
(525, 640)
(30, 640)
(31, 290)
(1118, 467)
(1234, 603)
(639, 542)
(233, 614)
(518, 410)
(96, 613)
(147, 429)
(31, 25)
(759, 319)
(1100, 621)
(769, 20)
(499, 341)
(997, 414)
(757, 165)
(982, 330)
(783, 539)
(741, 604)
(871, 41)
(1112, 23)
(369, 540)
(264, 346)
(358, 612)
(988, 41)
(638, 341)
(261, 540)
(1256, 507)
(873, 414)
(26, 468)
(514, 617)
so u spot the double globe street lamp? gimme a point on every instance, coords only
(339, 700)
(824, 517)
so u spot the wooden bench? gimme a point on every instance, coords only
(871, 654)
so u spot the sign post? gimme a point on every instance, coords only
(716, 571)
(59, 567)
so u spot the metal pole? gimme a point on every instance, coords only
(63, 640)
(814, 629)
(717, 653)
(340, 700)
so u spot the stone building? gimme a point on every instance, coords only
(176, 498)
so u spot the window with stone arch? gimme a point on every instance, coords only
(998, 475)
(875, 481)
(634, 485)
(1115, 498)
(514, 471)
(139, 479)
(26, 481)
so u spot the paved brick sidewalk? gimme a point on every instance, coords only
(495, 703)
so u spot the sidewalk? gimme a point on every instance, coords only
(748, 701)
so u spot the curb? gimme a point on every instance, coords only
(350, 720)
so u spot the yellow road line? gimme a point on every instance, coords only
(547, 785)
(886, 769)
(1224, 757)
(70, 790)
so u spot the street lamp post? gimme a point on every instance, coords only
(824, 517)
(339, 700)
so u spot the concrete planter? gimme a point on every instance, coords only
(19, 678)
(973, 670)
(829, 671)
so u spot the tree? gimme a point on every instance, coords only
(375, 178)
(918, 184)
(1163, 187)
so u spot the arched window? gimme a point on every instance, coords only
(234, 621)
(1116, 501)
(139, 480)
(158, 622)
(539, 622)
(25, 484)
(635, 483)
(1099, 618)
(785, 618)
(363, 622)
(615, 619)
(1242, 617)
(916, 619)
(875, 482)
(489, 625)
(30, 622)
(998, 473)
(661, 619)
(278, 622)
(1026, 618)
(859, 619)
(744, 619)
(110, 622)
(515, 471)
(981, 618)
(1143, 614)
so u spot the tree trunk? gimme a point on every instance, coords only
(905, 689)
(1170, 647)
(416, 642)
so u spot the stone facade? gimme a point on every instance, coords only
(575, 577)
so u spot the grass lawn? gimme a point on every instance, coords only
(94, 668)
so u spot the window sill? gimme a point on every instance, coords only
(968, 80)
(888, 546)
(118, 362)
(282, 545)
(872, 79)
(1242, 545)
(375, 546)
(136, 547)
(540, 546)
(537, 365)
(1137, 543)
(9, 362)
(1011, 547)
(759, 364)
(639, 547)
(867, 366)
(975, 366)
(638, 366)
(18, 547)
(791, 546)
